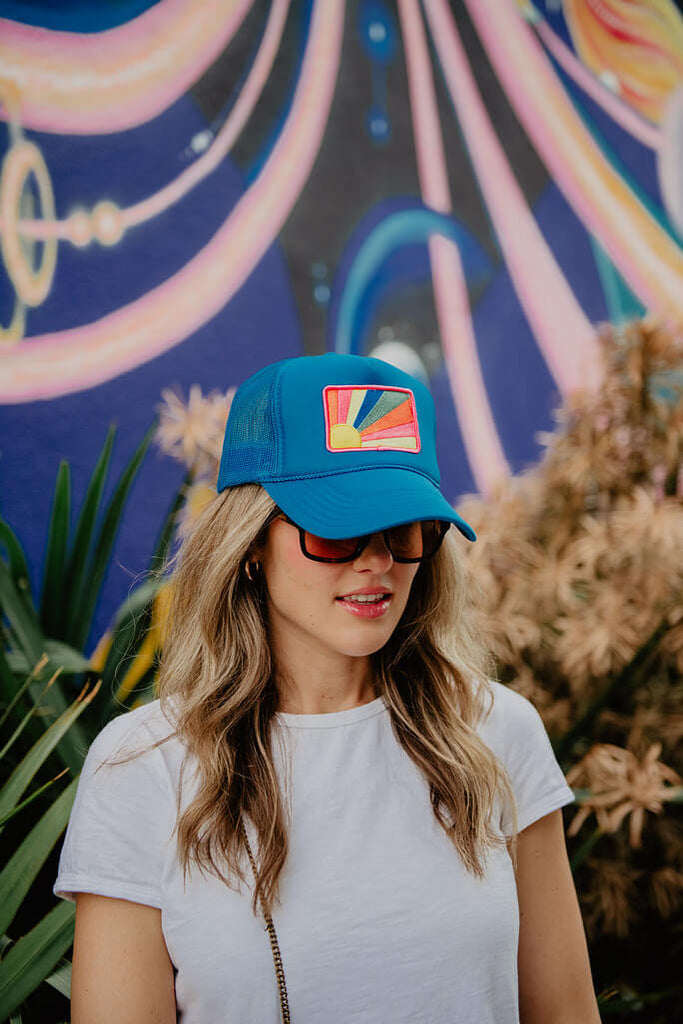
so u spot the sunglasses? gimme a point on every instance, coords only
(410, 542)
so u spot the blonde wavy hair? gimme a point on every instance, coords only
(217, 673)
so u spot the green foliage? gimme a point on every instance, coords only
(55, 556)
(28, 961)
(33, 957)
(45, 729)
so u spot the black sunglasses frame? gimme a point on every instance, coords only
(363, 543)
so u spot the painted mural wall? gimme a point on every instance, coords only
(190, 190)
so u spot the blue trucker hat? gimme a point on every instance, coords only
(344, 445)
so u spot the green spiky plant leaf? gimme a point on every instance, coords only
(85, 527)
(33, 957)
(86, 583)
(25, 962)
(52, 600)
(42, 727)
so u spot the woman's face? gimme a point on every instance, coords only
(325, 606)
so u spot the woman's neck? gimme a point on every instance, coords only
(322, 686)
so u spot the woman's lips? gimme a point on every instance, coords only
(365, 610)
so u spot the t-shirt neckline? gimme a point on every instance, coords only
(333, 719)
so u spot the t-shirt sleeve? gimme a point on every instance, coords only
(122, 819)
(522, 743)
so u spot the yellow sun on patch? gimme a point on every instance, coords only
(342, 435)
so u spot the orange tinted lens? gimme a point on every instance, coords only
(406, 541)
(416, 540)
(432, 535)
(321, 547)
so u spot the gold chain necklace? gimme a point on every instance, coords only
(272, 935)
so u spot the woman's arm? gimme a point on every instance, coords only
(555, 983)
(122, 973)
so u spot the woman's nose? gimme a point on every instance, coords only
(375, 555)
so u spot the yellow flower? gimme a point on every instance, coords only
(152, 643)
(146, 654)
(98, 658)
(197, 497)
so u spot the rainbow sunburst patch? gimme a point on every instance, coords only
(370, 417)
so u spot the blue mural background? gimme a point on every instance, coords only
(363, 190)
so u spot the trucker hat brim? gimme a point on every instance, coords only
(363, 501)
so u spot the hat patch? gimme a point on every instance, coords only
(372, 418)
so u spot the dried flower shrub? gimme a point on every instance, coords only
(580, 561)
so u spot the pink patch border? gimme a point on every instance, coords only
(371, 447)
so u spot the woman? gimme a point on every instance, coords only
(329, 752)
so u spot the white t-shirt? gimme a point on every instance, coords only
(379, 921)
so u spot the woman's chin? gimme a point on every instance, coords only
(363, 646)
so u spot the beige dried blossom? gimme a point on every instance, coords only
(525, 683)
(672, 644)
(558, 716)
(555, 712)
(512, 625)
(648, 720)
(666, 890)
(605, 635)
(507, 561)
(192, 432)
(590, 545)
(645, 527)
(620, 785)
(670, 835)
(610, 899)
(580, 467)
(554, 584)
(656, 586)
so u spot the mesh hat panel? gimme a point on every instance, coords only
(251, 448)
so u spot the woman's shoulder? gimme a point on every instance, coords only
(134, 760)
(505, 700)
(508, 718)
(135, 734)
(124, 811)
(514, 731)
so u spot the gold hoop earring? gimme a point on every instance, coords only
(248, 570)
